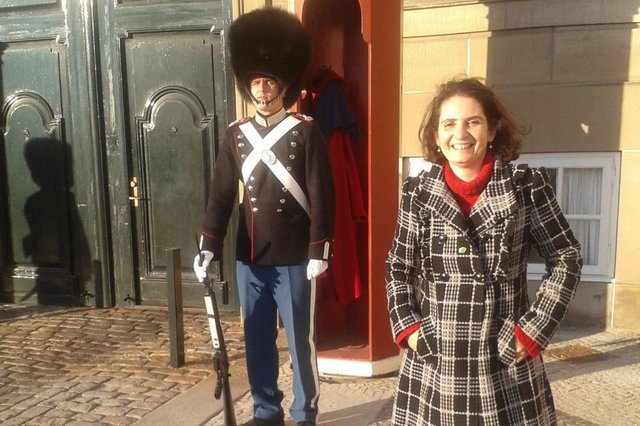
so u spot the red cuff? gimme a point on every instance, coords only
(529, 344)
(401, 340)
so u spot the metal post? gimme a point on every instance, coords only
(174, 303)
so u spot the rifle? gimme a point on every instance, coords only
(220, 358)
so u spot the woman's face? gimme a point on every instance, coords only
(463, 132)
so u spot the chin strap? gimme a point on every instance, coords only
(267, 103)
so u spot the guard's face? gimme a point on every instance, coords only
(264, 89)
(266, 94)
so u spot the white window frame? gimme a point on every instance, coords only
(609, 162)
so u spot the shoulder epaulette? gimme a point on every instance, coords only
(302, 117)
(239, 121)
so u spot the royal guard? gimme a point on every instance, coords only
(285, 231)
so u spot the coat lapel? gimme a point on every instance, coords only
(440, 202)
(497, 203)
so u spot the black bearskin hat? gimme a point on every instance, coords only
(272, 42)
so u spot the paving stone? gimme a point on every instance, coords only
(111, 402)
(60, 413)
(85, 387)
(8, 412)
(47, 421)
(77, 407)
(27, 403)
(110, 411)
(49, 393)
(88, 418)
(183, 379)
(14, 399)
(147, 404)
(139, 413)
(101, 393)
(146, 375)
(112, 373)
(84, 423)
(159, 384)
(118, 421)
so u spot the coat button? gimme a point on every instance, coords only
(289, 168)
(462, 250)
(292, 157)
(250, 188)
(241, 145)
(294, 144)
(284, 189)
(255, 209)
(480, 277)
(253, 200)
(240, 136)
(279, 210)
(444, 277)
(252, 178)
(442, 239)
(282, 201)
(294, 133)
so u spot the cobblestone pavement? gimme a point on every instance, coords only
(97, 366)
(85, 366)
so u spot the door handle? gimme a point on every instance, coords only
(133, 184)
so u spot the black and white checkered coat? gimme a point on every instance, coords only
(464, 280)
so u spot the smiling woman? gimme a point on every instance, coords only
(456, 291)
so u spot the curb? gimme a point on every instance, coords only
(196, 406)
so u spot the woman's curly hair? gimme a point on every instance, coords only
(509, 134)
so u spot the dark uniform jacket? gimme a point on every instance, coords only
(273, 228)
(465, 281)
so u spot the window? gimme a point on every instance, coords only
(586, 187)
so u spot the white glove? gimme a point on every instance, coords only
(201, 269)
(316, 267)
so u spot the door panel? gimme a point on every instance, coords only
(172, 142)
(37, 233)
(170, 92)
(138, 85)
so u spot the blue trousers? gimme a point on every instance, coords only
(264, 291)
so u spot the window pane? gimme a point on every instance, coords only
(582, 191)
(588, 233)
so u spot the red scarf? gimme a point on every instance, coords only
(467, 193)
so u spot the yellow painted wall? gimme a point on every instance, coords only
(566, 67)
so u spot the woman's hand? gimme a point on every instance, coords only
(412, 340)
(521, 352)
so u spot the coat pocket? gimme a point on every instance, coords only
(427, 341)
(506, 340)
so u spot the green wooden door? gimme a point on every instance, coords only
(112, 111)
(165, 106)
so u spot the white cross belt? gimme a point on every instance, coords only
(262, 152)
